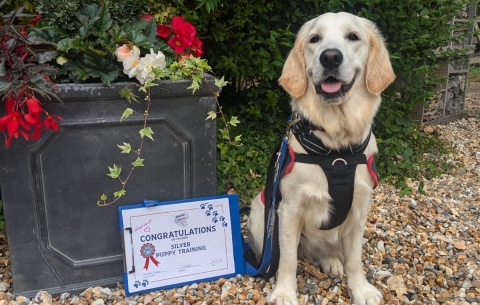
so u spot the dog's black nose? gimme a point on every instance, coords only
(331, 58)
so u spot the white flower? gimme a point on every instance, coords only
(130, 59)
(146, 65)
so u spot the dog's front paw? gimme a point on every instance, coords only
(283, 296)
(364, 294)
(332, 266)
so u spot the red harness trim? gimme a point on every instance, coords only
(372, 170)
(370, 166)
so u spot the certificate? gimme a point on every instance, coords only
(174, 243)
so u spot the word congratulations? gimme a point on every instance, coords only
(177, 233)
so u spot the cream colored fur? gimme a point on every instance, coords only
(304, 207)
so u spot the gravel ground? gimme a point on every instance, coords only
(422, 248)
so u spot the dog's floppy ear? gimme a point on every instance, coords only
(294, 77)
(379, 73)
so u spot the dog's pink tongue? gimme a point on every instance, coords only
(331, 87)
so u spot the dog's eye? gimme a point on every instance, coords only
(352, 37)
(314, 39)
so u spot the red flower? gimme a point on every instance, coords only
(183, 28)
(163, 30)
(146, 17)
(36, 19)
(196, 47)
(178, 44)
(33, 105)
(51, 123)
(12, 122)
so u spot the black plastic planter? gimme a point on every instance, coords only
(59, 239)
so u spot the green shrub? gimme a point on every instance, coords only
(247, 41)
(59, 13)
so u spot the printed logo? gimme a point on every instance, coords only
(181, 219)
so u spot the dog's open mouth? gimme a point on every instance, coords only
(332, 87)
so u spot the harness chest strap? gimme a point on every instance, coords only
(340, 177)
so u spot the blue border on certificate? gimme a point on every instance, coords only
(236, 238)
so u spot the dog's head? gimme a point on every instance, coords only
(334, 53)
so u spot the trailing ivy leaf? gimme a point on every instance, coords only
(146, 132)
(138, 162)
(115, 171)
(126, 114)
(211, 115)
(220, 83)
(119, 193)
(103, 197)
(127, 94)
(234, 121)
(126, 148)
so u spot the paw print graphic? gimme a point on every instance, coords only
(215, 220)
(222, 218)
(207, 212)
(145, 283)
(202, 206)
(215, 213)
(210, 207)
(137, 284)
(224, 224)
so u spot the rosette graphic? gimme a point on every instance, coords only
(148, 252)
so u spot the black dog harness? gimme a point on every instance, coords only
(339, 167)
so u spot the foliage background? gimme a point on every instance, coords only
(247, 41)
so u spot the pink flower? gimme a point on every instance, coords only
(123, 52)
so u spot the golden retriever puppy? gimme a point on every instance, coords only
(335, 74)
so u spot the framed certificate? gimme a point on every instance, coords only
(174, 243)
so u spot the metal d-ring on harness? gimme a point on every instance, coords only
(339, 168)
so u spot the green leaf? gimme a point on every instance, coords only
(103, 197)
(46, 56)
(234, 121)
(220, 82)
(2, 67)
(119, 193)
(65, 44)
(103, 23)
(4, 85)
(127, 94)
(211, 115)
(115, 171)
(126, 113)
(146, 132)
(126, 148)
(151, 30)
(138, 162)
